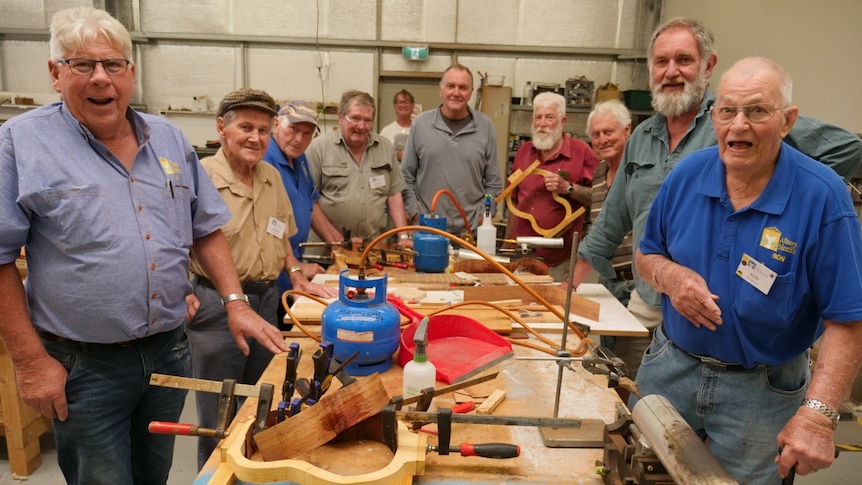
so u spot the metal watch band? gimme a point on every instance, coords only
(294, 269)
(823, 409)
(233, 297)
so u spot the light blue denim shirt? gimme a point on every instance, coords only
(107, 250)
(647, 161)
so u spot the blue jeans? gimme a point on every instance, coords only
(105, 440)
(216, 357)
(741, 412)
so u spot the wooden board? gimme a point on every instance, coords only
(309, 312)
(552, 293)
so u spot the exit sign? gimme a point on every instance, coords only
(415, 53)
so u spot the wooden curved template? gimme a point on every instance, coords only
(515, 179)
(409, 460)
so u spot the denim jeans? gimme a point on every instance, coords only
(105, 439)
(741, 412)
(216, 357)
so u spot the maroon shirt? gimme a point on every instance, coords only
(530, 196)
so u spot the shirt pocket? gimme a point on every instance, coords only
(336, 181)
(81, 216)
(775, 310)
(180, 213)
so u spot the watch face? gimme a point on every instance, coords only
(570, 189)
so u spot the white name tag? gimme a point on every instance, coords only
(275, 227)
(377, 181)
(756, 273)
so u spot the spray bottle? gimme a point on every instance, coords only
(419, 373)
(486, 235)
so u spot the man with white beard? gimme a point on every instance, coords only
(569, 164)
(680, 58)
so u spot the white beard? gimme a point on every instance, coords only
(675, 104)
(546, 141)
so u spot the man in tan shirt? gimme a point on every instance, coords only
(258, 235)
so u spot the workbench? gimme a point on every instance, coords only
(530, 388)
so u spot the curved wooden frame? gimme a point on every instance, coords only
(515, 179)
(409, 460)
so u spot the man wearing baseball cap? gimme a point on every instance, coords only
(295, 127)
(258, 235)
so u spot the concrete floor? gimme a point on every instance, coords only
(845, 471)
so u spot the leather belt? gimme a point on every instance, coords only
(50, 337)
(248, 287)
(624, 274)
(718, 365)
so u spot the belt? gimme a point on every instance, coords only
(50, 337)
(718, 365)
(624, 274)
(248, 287)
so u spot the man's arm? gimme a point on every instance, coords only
(395, 206)
(298, 279)
(213, 254)
(831, 145)
(409, 167)
(807, 439)
(323, 227)
(41, 379)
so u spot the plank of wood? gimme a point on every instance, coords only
(489, 405)
(552, 293)
(318, 424)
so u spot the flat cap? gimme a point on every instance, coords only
(298, 111)
(247, 98)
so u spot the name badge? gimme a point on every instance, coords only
(756, 273)
(377, 181)
(275, 227)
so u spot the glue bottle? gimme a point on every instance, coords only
(486, 235)
(419, 373)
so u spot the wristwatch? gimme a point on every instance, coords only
(233, 297)
(403, 235)
(294, 269)
(571, 189)
(823, 409)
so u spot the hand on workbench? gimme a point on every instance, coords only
(405, 243)
(690, 295)
(806, 442)
(323, 291)
(310, 270)
(244, 323)
(42, 385)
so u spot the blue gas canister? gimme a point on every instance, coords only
(432, 250)
(362, 320)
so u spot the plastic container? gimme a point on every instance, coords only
(486, 235)
(527, 98)
(419, 373)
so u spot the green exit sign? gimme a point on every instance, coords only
(415, 53)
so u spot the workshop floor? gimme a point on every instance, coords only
(845, 471)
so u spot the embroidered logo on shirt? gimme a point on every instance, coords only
(770, 238)
(169, 167)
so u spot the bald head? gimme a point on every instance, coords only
(767, 70)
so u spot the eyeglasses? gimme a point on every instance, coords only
(755, 113)
(85, 67)
(404, 101)
(548, 118)
(358, 122)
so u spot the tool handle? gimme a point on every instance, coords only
(491, 450)
(164, 427)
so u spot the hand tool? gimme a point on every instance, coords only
(308, 389)
(287, 389)
(791, 475)
(321, 358)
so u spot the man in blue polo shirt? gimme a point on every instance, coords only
(294, 129)
(757, 252)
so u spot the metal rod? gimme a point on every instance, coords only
(415, 416)
(566, 311)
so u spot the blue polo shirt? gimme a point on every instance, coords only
(802, 227)
(302, 193)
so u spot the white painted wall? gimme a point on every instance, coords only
(818, 42)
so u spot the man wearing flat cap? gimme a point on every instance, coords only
(295, 127)
(258, 235)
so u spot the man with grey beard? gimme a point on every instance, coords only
(680, 58)
(568, 165)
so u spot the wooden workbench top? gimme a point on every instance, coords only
(530, 389)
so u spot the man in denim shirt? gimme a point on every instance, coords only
(680, 58)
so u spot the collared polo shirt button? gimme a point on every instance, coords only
(731, 218)
(131, 180)
(147, 237)
(154, 296)
(140, 208)
(153, 321)
(152, 266)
